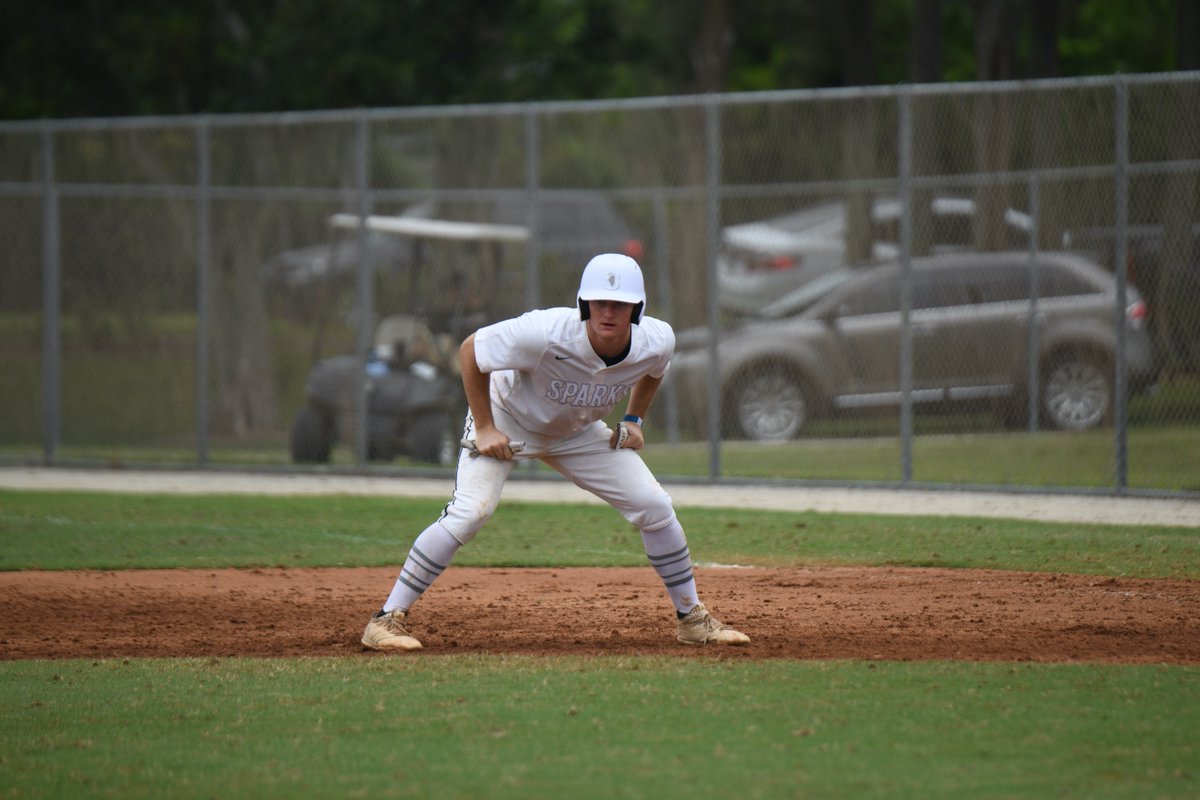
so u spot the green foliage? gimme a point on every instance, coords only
(65, 59)
(504, 727)
(1126, 35)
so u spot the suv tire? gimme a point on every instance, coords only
(770, 403)
(1077, 391)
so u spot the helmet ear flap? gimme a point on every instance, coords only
(585, 311)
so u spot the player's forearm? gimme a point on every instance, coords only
(642, 395)
(476, 385)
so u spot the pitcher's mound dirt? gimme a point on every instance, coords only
(899, 613)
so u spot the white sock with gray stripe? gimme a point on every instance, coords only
(667, 550)
(431, 553)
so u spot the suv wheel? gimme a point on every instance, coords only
(769, 404)
(1077, 391)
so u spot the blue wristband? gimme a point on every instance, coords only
(633, 418)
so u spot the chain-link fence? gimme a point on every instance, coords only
(983, 285)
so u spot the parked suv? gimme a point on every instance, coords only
(973, 317)
(761, 260)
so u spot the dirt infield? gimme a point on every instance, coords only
(892, 613)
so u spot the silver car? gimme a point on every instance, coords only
(974, 318)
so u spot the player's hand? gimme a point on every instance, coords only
(627, 436)
(492, 443)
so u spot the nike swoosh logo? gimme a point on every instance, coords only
(561, 358)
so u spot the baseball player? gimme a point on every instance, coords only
(539, 386)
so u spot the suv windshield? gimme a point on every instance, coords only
(802, 298)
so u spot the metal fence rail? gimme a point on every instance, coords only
(954, 285)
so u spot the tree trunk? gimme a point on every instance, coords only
(1043, 21)
(712, 47)
(858, 152)
(1053, 197)
(1176, 308)
(925, 60)
(246, 400)
(995, 46)
(1187, 34)
(925, 66)
(710, 53)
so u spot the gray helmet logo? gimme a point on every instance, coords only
(614, 281)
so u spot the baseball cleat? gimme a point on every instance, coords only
(386, 631)
(699, 627)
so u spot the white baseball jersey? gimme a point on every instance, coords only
(546, 375)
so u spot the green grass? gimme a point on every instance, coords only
(131, 382)
(1164, 458)
(525, 727)
(513, 727)
(1159, 458)
(78, 530)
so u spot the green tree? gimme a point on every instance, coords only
(106, 58)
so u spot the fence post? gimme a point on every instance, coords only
(662, 266)
(713, 181)
(203, 265)
(1033, 335)
(533, 287)
(1120, 267)
(51, 304)
(365, 288)
(906, 279)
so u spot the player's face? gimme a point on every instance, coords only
(608, 326)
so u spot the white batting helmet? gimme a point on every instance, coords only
(612, 276)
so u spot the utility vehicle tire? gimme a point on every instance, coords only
(429, 439)
(311, 437)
